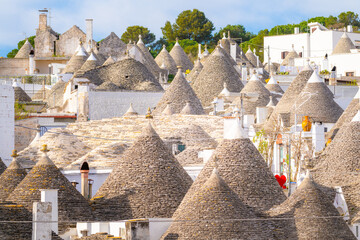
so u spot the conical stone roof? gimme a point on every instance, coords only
(147, 182)
(131, 111)
(127, 74)
(65, 148)
(180, 57)
(165, 58)
(314, 213)
(9, 179)
(20, 94)
(103, 157)
(217, 71)
(109, 61)
(108, 86)
(344, 45)
(150, 61)
(90, 63)
(289, 97)
(254, 86)
(76, 61)
(317, 102)
(25, 50)
(273, 86)
(178, 94)
(251, 57)
(45, 175)
(347, 115)
(112, 45)
(13, 223)
(243, 168)
(2, 166)
(191, 77)
(290, 57)
(211, 212)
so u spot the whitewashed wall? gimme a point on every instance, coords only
(7, 122)
(115, 104)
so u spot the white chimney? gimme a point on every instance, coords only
(350, 28)
(261, 114)
(89, 31)
(51, 196)
(42, 215)
(199, 51)
(244, 73)
(296, 30)
(318, 136)
(233, 51)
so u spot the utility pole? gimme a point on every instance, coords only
(289, 178)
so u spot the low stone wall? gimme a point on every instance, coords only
(23, 136)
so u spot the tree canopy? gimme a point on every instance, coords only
(132, 34)
(236, 31)
(191, 25)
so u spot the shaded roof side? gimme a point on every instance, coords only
(262, 100)
(180, 57)
(24, 50)
(109, 60)
(239, 163)
(191, 77)
(45, 175)
(344, 45)
(147, 182)
(112, 45)
(127, 74)
(251, 57)
(210, 81)
(19, 230)
(75, 63)
(291, 55)
(345, 117)
(2, 166)
(216, 206)
(317, 102)
(152, 65)
(21, 95)
(177, 95)
(9, 179)
(165, 58)
(274, 88)
(315, 215)
(288, 99)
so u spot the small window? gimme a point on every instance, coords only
(283, 55)
(76, 86)
(349, 74)
(300, 54)
(325, 129)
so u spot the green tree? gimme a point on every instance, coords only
(13, 52)
(132, 33)
(236, 31)
(349, 18)
(191, 25)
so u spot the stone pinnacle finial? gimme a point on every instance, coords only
(177, 39)
(224, 35)
(225, 85)
(44, 148)
(14, 153)
(164, 46)
(140, 36)
(148, 114)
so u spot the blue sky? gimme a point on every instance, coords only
(20, 17)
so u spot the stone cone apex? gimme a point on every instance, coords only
(90, 63)
(273, 86)
(251, 57)
(2, 166)
(179, 93)
(11, 177)
(344, 45)
(109, 60)
(180, 57)
(218, 69)
(131, 111)
(347, 116)
(140, 40)
(291, 55)
(315, 78)
(271, 103)
(236, 131)
(76, 61)
(191, 77)
(210, 213)
(356, 117)
(316, 101)
(165, 58)
(25, 50)
(287, 101)
(272, 81)
(315, 216)
(45, 175)
(239, 163)
(225, 92)
(146, 174)
(168, 110)
(20, 94)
